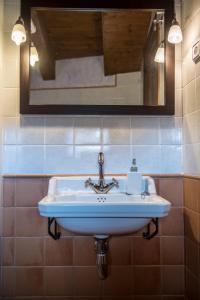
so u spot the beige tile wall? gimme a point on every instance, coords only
(1, 91)
(191, 88)
(192, 237)
(1, 85)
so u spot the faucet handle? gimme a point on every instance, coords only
(88, 182)
(116, 183)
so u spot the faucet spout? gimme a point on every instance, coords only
(101, 187)
(101, 170)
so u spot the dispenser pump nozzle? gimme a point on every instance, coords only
(134, 167)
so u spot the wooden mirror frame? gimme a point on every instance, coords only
(167, 109)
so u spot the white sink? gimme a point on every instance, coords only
(80, 210)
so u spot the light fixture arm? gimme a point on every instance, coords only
(20, 21)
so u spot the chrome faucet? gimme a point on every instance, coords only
(101, 187)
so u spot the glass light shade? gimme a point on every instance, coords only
(18, 33)
(175, 35)
(33, 27)
(160, 54)
(33, 56)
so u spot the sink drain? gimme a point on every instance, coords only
(101, 248)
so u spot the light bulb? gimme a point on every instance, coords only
(33, 27)
(19, 33)
(33, 56)
(160, 54)
(175, 35)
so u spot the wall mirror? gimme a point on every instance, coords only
(97, 57)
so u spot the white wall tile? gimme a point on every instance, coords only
(178, 52)
(10, 131)
(117, 159)
(197, 95)
(171, 159)
(191, 128)
(178, 102)
(30, 131)
(189, 98)
(188, 68)
(59, 130)
(88, 130)
(30, 159)
(171, 131)
(197, 68)
(9, 159)
(178, 75)
(189, 8)
(116, 130)
(148, 158)
(145, 130)
(191, 154)
(59, 159)
(86, 159)
(191, 31)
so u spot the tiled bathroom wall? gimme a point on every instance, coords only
(34, 265)
(1, 204)
(191, 147)
(191, 88)
(192, 237)
(1, 89)
(30, 142)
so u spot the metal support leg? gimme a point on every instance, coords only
(54, 234)
(148, 235)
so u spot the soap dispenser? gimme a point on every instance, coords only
(134, 180)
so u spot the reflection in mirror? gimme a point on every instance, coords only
(97, 57)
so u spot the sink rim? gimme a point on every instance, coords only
(156, 208)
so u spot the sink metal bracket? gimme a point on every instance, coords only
(148, 235)
(55, 234)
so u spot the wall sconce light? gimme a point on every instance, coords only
(33, 55)
(160, 54)
(175, 35)
(19, 33)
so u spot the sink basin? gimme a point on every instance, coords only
(82, 211)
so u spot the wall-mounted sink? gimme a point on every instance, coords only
(100, 206)
(85, 212)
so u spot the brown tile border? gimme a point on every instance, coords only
(86, 175)
(192, 176)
